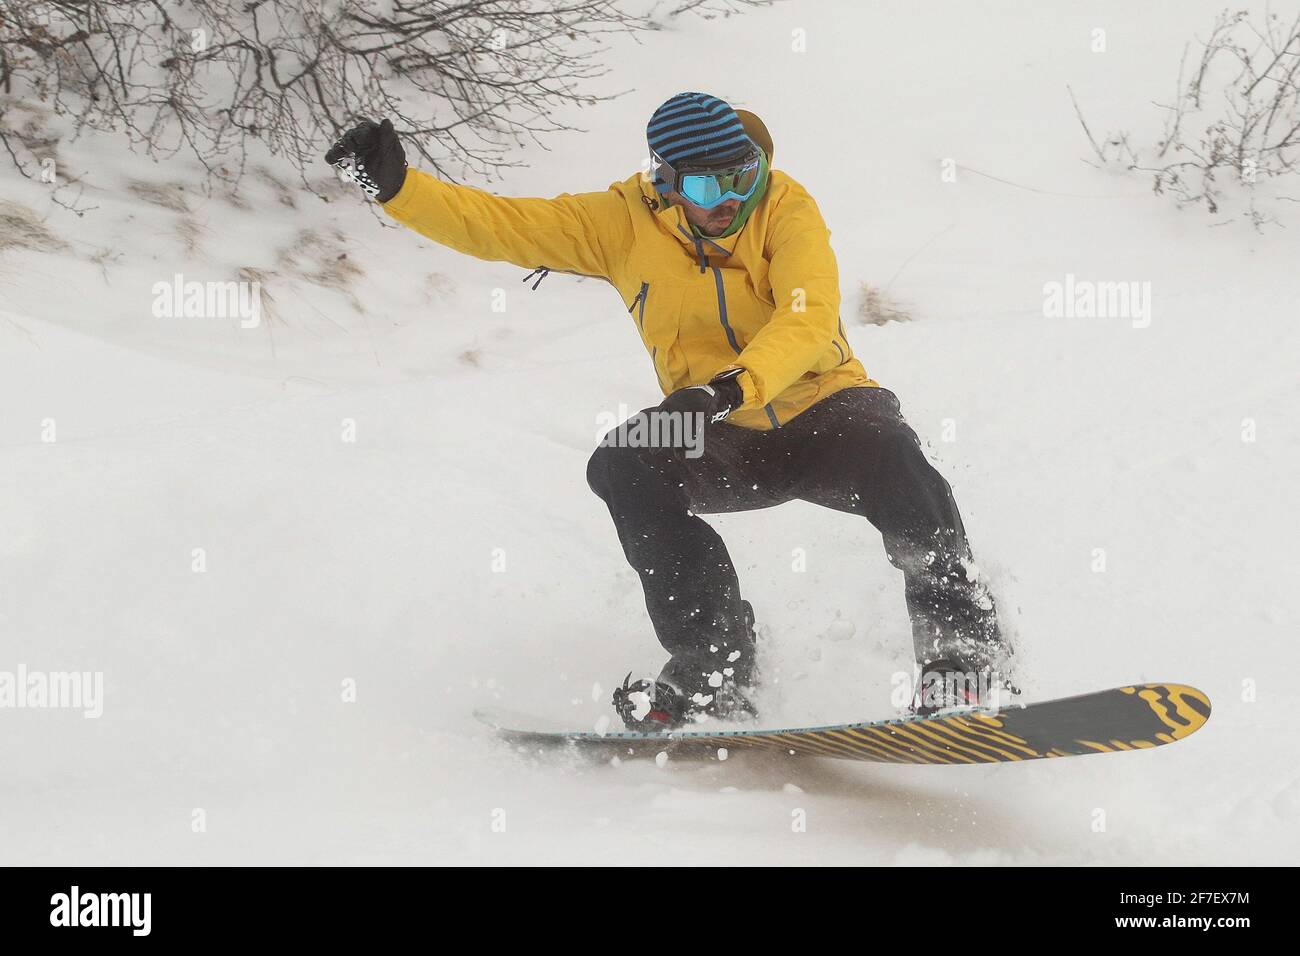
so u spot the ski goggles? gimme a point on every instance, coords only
(709, 186)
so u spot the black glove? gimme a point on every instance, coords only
(370, 155)
(717, 400)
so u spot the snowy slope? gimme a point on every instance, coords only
(373, 561)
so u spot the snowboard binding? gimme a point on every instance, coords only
(656, 706)
(650, 707)
(946, 685)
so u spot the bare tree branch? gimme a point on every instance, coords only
(466, 80)
(1255, 70)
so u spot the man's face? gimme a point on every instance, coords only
(711, 222)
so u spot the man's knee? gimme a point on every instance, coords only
(602, 466)
(899, 443)
(615, 465)
(638, 452)
(889, 457)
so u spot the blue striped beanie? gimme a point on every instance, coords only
(696, 127)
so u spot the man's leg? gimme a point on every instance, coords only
(691, 591)
(859, 456)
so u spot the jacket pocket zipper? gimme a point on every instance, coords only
(639, 300)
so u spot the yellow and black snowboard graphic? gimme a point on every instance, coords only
(1138, 717)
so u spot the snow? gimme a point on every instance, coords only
(451, 557)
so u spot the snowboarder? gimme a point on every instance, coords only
(726, 268)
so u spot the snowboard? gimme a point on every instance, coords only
(1137, 717)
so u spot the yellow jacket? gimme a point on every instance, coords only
(766, 299)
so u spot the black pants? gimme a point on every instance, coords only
(852, 452)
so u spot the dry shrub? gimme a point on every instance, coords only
(878, 307)
(21, 228)
(320, 257)
(190, 232)
(1232, 130)
(250, 275)
(30, 126)
(283, 194)
(168, 195)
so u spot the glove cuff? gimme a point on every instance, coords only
(387, 195)
(726, 385)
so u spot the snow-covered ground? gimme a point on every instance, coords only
(451, 556)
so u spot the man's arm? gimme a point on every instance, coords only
(806, 288)
(571, 233)
(582, 233)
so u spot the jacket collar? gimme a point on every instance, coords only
(672, 220)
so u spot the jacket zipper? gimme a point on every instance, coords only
(722, 310)
(699, 249)
(640, 300)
